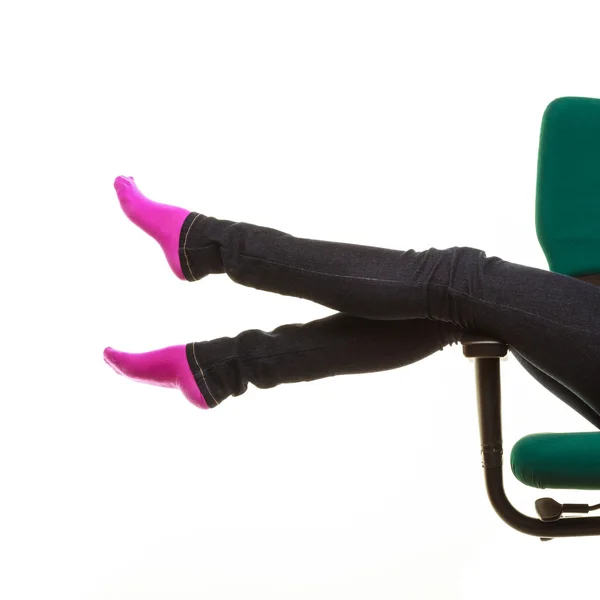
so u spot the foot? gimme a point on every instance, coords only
(167, 367)
(161, 221)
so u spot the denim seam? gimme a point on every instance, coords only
(497, 304)
(426, 283)
(184, 248)
(318, 272)
(202, 372)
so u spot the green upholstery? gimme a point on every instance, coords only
(568, 229)
(567, 211)
(558, 460)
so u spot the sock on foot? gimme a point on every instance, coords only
(167, 367)
(161, 221)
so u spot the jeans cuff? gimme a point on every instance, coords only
(184, 258)
(199, 377)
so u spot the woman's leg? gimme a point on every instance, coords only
(335, 345)
(339, 344)
(552, 320)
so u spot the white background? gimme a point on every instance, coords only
(396, 124)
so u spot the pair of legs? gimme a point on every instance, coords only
(395, 308)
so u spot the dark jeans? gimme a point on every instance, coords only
(395, 307)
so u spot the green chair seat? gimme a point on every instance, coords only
(558, 460)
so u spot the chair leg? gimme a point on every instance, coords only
(487, 354)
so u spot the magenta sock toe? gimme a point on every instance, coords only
(161, 221)
(167, 367)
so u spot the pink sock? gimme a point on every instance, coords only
(167, 367)
(161, 221)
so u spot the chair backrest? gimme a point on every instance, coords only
(567, 215)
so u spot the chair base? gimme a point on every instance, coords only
(486, 353)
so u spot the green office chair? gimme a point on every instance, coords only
(568, 229)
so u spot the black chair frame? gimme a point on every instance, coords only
(486, 354)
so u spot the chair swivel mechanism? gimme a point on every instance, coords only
(568, 229)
